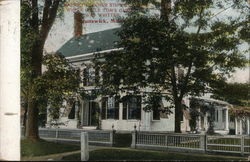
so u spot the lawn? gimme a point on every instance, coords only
(130, 154)
(41, 147)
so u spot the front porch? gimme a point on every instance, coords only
(240, 125)
(213, 114)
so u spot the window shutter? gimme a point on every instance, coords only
(104, 107)
(138, 115)
(85, 76)
(97, 77)
(117, 108)
(72, 112)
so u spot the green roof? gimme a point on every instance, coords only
(89, 43)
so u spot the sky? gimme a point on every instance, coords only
(63, 28)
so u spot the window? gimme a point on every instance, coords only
(156, 114)
(132, 108)
(110, 108)
(72, 112)
(215, 115)
(90, 76)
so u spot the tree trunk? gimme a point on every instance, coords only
(25, 107)
(33, 103)
(165, 9)
(178, 116)
(32, 121)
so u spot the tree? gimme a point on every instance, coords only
(233, 93)
(236, 94)
(163, 54)
(38, 27)
(36, 22)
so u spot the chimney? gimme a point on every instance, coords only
(78, 18)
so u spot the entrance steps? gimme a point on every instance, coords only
(89, 127)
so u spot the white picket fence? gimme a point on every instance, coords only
(157, 141)
(228, 144)
(98, 137)
(191, 142)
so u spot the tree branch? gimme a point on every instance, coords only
(46, 8)
(35, 19)
(184, 85)
(46, 25)
(173, 82)
(183, 89)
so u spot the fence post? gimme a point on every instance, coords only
(166, 141)
(203, 142)
(56, 134)
(133, 144)
(84, 146)
(112, 137)
(242, 145)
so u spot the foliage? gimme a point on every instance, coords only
(236, 94)
(198, 108)
(167, 56)
(59, 82)
(122, 139)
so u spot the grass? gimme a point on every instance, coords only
(130, 154)
(42, 147)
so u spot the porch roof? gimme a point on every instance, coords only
(211, 100)
(241, 110)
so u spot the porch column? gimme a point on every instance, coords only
(236, 125)
(100, 115)
(240, 127)
(76, 110)
(48, 117)
(227, 121)
(248, 123)
(77, 114)
(146, 121)
(205, 122)
(199, 124)
(10, 80)
(120, 111)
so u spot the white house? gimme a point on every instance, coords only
(108, 112)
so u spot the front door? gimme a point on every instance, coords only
(93, 114)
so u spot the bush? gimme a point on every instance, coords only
(231, 132)
(122, 139)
